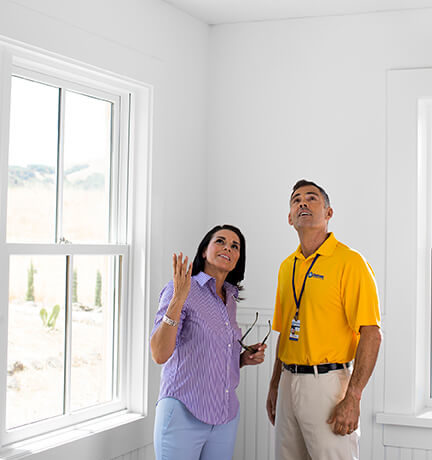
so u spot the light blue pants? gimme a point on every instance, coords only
(178, 435)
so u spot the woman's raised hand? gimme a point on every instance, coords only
(181, 277)
(163, 341)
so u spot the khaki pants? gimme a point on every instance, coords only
(305, 401)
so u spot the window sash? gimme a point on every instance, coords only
(119, 400)
(118, 164)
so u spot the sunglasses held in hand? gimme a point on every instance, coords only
(249, 348)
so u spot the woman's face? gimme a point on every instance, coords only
(222, 253)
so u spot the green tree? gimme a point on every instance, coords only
(75, 287)
(98, 290)
(30, 283)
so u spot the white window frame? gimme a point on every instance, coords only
(131, 229)
(407, 410)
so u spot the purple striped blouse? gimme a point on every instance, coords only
(204, 370)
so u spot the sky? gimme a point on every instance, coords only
(34, 126)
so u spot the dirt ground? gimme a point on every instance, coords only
(36, 364)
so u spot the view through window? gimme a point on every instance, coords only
(65, 256)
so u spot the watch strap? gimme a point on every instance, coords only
(169, 321)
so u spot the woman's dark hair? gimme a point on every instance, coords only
(235, 276)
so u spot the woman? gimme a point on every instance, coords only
(197, 337)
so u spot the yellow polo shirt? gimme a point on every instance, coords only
(340, 295)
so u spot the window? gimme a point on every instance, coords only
(407, 312)
(66, 243)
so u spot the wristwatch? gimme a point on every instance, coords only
(169, 321)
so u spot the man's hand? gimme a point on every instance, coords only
(271, 404)
(345, 415)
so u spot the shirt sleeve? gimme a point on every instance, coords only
(277, 315)
(164, 300)
(359, 294)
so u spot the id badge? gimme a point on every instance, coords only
(295, 330)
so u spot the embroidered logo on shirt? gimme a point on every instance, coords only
(315, 275)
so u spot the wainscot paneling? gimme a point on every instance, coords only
(255, 438)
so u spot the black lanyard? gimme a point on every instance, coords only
(297, 301)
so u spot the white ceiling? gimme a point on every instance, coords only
(229, 11)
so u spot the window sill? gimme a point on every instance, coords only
(108, 431)
(407, 431)
(422, 420)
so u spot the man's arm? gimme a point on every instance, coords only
(274, 385)
(345, 415)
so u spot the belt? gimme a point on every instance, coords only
(321, 368)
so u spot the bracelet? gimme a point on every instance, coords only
(169, 321)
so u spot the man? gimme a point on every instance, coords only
(327, 314)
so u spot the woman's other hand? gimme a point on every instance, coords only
(248, 358)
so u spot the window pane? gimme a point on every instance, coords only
(32, 162)
(87, 160)
(36, 337)
(93, 331)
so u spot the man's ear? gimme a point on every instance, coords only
(329, 213)
(289, 219)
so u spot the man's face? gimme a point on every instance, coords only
(308, 209)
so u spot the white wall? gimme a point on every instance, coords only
(307, 99)
(151, 42)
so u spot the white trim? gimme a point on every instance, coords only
(115, 175)
(423, 420)
(139, 233)
(57, 443)
(68, 337)
(5, 91)
(405, 433)
(37, 429)
(4, 321)
(40, 60)
(60, 167)
(122, 143)
(120, 319)
(134, 314)
(5, 98)
(64, 81)
(407, 330)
